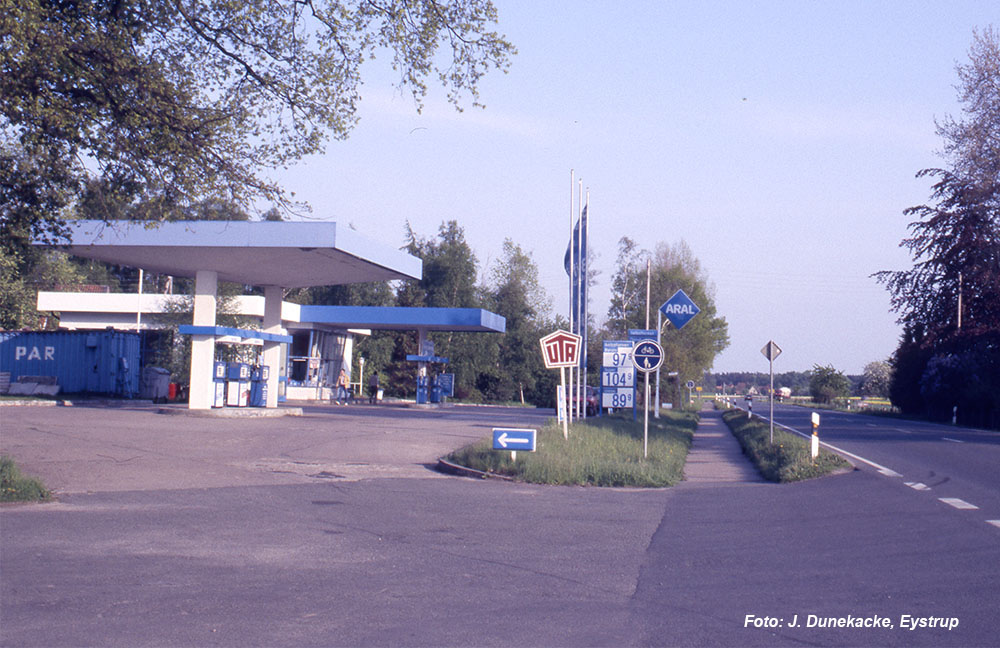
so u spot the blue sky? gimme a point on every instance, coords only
(780, 140)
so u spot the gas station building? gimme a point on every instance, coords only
(307, 344)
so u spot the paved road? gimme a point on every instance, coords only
(332, 530)
(959, 467)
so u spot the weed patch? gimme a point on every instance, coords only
(605, 451)
(15, 487)
(788, 459)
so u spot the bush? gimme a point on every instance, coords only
(14, 487)
(788, 459)
(605, 451)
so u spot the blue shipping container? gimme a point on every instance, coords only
(101, 362)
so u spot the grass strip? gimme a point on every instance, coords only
(605, 451)
(15, 487)
(788, 459)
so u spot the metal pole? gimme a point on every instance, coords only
(647, 293)
(645, 423)
(578, 402)
(568, 389)
(659, 325)
(770, 363)
(562, 380)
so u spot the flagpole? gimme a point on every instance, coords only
(584, 297)
(579, 298)
(572, 208)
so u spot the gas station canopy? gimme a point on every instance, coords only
(291, 255)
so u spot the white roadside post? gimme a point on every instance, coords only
(815, 436)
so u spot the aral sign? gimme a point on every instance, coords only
(679, 309)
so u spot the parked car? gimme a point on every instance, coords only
(592, 402)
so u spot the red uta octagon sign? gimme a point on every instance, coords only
(560, 349)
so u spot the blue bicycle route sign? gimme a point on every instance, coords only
(647, 356)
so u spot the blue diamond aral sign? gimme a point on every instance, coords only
(679, 309)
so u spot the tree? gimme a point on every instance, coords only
(150, 106)
(826, 384)
(949, 301)
(189, 99)
(955, 241)
(876, 379)
(691, 350)
(515, 292)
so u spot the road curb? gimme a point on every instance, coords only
(462, 471)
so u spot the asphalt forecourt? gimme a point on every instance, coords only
(334, 528)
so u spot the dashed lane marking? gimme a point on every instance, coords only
(952, 440)
(995, 523)
(958, 503)
(918, 486)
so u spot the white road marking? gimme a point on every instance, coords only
(918, 486)
(958, 503)
(952, 440)
(995, 523)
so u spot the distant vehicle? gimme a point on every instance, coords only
(593, 401)
(781, 393)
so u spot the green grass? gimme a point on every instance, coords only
(14, 487)
(604, 451)
(788, 459)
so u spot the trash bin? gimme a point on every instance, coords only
(155, 384)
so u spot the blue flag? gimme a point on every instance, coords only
(578, 280)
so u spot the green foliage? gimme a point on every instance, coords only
(15, 487)
(155, 109)
(599, 452)
(689, 351)
(876, 379)
(788, 459)
(176, 101)
(949, 302)
(515, 293)
(827, 384)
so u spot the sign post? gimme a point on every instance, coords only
(561, 349)
(679, 310)
(514, 439)
(647, 356)
(771, 351)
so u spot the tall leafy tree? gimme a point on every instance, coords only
(949, 302)
(149, 106)
(515, 292)
(691, 350)
(450, 271)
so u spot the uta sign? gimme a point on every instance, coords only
(560, 349)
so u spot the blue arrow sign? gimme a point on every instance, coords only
(679, 309)
(514, 439)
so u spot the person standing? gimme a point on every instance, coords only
(373, 388)
(343, 384)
